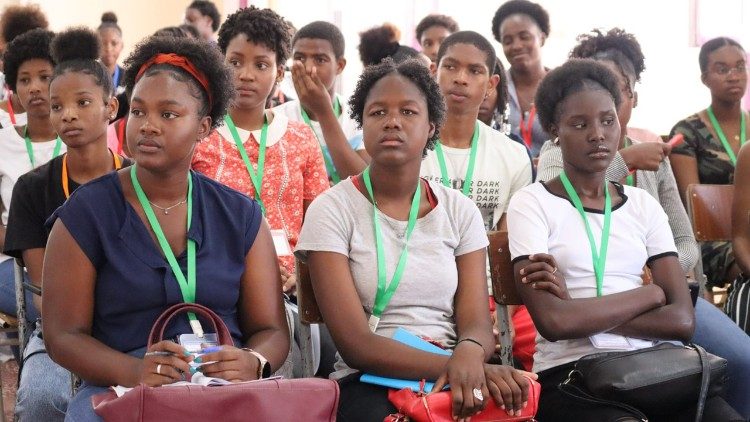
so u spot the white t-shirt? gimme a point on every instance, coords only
(502, 167)
(542, 222)
(352, 132)
(14, 162)
(5, 119)
(340, 221)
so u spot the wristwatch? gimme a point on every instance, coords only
(264, 368)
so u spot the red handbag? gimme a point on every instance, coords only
(437, 407)
(310, 399)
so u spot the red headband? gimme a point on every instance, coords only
(182, 63)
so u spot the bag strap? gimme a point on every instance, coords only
(157, 331)
(705, 380)
(568, 388)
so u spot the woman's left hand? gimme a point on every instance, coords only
(229, 363)
(543, 274)
(508, 386)
(464, 372)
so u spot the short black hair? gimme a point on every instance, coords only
(34, 44)
(17, 20)
(524, 7)
(321, 30)
(429, 21)
(207, 8)
(471, 38)
(172, 31)
(573, 76)
(261, 26)
(109, 20)
(77, 50)
(712, 45)
(418, 74)
(202, 54)
(190, 30)
(615, 45)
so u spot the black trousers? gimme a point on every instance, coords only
(361, 402)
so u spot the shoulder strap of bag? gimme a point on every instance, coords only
(568, 388)
(705, 381)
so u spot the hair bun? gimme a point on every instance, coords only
(78, 43)
(109, 17)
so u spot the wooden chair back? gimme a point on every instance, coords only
(501, 270)
(710, 211)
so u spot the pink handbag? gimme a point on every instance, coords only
(309, 399)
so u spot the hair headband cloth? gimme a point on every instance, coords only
(181, 62)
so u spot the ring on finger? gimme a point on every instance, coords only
(158, 369)
(478, 394)
(554, 271)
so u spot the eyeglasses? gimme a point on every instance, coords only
(740, 69)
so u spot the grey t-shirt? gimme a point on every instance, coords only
(340, 221)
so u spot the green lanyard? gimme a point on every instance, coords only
(256, 178)
(629, 180)
(329, 164)
(384, 294)
(469, 169)
(723, 138)
(599, 258)
(187, 285)
(30, 148)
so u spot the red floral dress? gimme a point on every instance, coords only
(294, 172)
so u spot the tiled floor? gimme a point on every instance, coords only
(9, 371)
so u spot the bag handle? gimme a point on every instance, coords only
(157, 331)
(573, 391)
(705, 381)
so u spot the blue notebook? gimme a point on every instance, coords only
(408, 339)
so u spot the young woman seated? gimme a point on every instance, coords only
(127, 255)
(586, 300)
(354, 235)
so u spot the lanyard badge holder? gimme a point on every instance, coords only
(469, 169)
(330, 168)
(187, 284)
(385, 293)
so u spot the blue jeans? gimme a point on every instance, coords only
(80, 408)
(44, 388)
(721, 336)
(8, 293)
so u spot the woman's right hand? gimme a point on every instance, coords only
(509, 387)
(645, 156)
(156, 370)
(465, 373)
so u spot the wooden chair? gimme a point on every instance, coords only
(309, 313)
(710, 211)
(503, 289)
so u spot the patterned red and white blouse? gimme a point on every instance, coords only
(294, 171)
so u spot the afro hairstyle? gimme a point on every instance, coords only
(573, 76)
(261, 26)
(429, 21)
(34, 44)
(77, 50)
(712, 45)
(523, 7)
(415, 72)
(615, 45)
(471, 38)
(207, 8)
(321, 30)
(203, 55)
(17, 20)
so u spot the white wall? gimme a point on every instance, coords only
(670, 87)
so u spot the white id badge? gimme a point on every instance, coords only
(610, 341)
(194, 344)
(281, 243)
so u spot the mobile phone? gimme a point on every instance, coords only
(194, 344)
